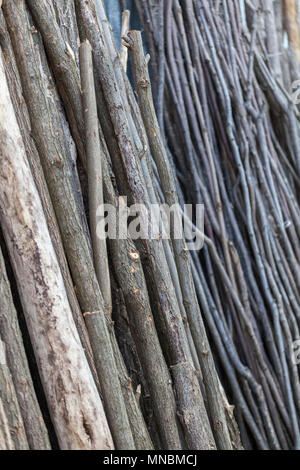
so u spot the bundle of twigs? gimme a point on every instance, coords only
(231, 127)
(117, 327)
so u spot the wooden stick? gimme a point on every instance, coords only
(64, 69)
(94, 158)
(124, 31)
(10, 404)
(129, 273)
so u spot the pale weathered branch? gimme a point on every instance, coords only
(79, 419)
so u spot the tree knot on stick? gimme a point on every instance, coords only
(87, 314)
(218, 424)
(144, 83)
(134, 255)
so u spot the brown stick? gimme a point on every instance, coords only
(94, 158)
(64, 69)
(129, 273)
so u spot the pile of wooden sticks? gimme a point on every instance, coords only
(140, 343)
(231, 126)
